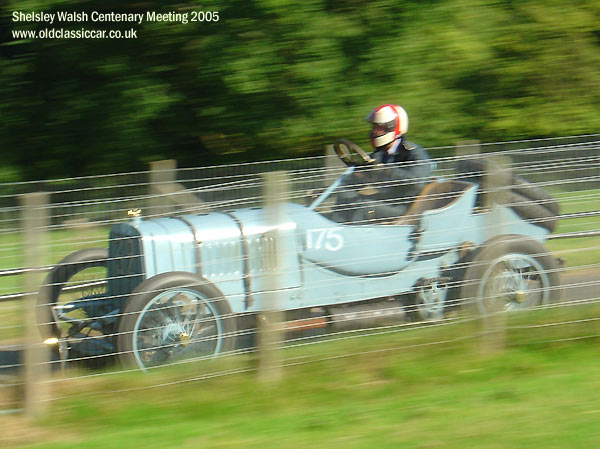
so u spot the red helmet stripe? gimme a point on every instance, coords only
(393, 108)
(383, 118)
(397, 128)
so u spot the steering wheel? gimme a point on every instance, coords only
(351, 154)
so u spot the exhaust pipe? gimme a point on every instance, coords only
(349, 317)
(366, 315)
(306, 324)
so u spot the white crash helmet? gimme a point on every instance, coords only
(394, 121)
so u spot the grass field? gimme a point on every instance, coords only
(584, 250)
(405, 389)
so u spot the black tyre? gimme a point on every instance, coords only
(85, 266)
(470, 170)
(173, 317)
(536, 194)
(510, 273)
(532, 211)
(530, 202)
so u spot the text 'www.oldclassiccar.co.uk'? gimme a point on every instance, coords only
(99, 17)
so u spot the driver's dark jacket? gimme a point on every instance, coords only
(405, 173)
(398, 178)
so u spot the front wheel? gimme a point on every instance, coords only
(173, 317)
(511, 273)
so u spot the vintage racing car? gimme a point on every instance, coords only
(192, 286)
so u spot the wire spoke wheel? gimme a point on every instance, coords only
(174, 317)
(430, 301)
(513, 282)
(176, 325)
(511, 273)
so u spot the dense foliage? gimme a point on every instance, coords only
(281, 78)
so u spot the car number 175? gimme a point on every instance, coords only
(324, 238)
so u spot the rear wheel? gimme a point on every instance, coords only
(511, 273)
(174, 317)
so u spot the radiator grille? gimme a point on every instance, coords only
(221, 259)
(126, 261)
(262, 253)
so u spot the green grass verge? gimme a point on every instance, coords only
(578, 251)
(403, 389)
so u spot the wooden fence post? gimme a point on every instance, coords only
(167, 195)
(34, 225)
(467, 147)
(162, 173)
(275, 188)
(497, 184)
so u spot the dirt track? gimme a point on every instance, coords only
(581, 284)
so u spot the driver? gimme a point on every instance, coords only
(402, 169)
(411, 166)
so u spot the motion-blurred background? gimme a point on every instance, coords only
(279, 78)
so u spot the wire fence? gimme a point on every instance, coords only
(144, 270)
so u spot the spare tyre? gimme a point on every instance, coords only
(532, 211)
(530, 202)
(531, 191)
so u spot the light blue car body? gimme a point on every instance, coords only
(324, 262)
